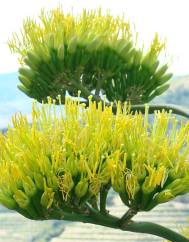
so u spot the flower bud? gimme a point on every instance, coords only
(22, 199)
(7, 201)
(52, 181)
(29, 186)
(131, 185)
(81, 188)
(179, 186)
(147, 188)
(176, 173)
(94, 187)
(47, 198)
(164, 196)
(38, 178)
(118, 184)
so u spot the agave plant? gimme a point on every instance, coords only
(92, 52)
(62, 165)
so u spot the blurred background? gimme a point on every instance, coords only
(170, 19)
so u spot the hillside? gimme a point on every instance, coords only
(178, 93)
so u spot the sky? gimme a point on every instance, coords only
(170, 18)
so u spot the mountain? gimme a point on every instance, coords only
(178, 93)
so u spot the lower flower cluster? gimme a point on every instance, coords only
(71, 154)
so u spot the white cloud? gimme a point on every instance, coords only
(169, 18)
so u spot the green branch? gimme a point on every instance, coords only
(126, 218)
(155, 229)
(103, 197)
(95, 217)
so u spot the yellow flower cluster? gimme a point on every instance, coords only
(62, 53)
(68, 153)
(55, 28)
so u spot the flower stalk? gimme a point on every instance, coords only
(94, 217)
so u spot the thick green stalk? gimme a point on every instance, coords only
(142, 227)
(137, 227)
(103, 197)
(126, 218)
(155, 229)
(93, 216)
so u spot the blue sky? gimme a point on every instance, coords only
(11, 99)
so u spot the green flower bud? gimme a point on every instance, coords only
(176, 173)
(7, 201)
(148, 191)
(45, 165)
(51, 40)
(141, 175)
(118, 184)
(81, 188)
(22, 199)
(72, 44)
(146, 187)
(164, 196)
(94, 44)
(60, 53)
(131, 185)
(52, 181)
(47, 197)
(38, 178)
(29, 186)
(179, 186)
(94, 186)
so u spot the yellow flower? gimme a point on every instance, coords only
(66, 157)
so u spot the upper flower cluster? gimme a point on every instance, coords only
(68, 155)
(89, 52)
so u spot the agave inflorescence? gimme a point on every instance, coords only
(62, 163)
(92, 53)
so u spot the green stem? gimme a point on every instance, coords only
(93, 216)
(99, 84)
(126, 218)
(103, 220)
(103, 197)
(140, 227)
(155, 229)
